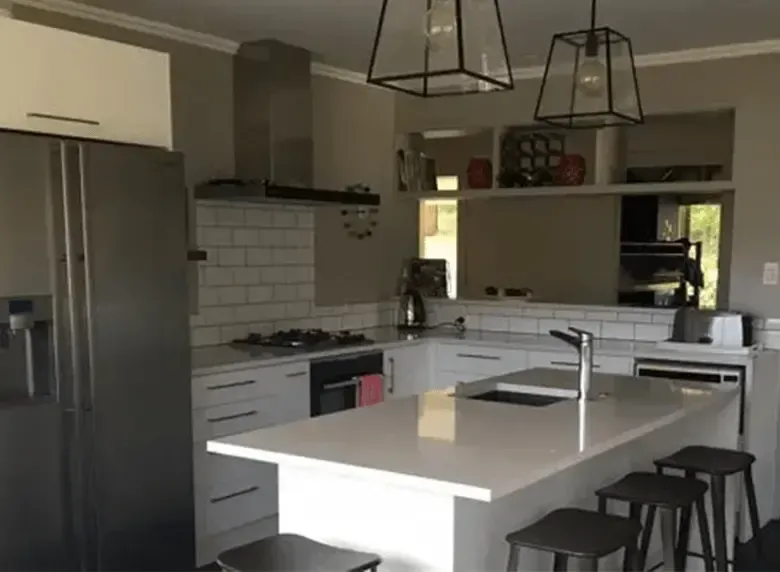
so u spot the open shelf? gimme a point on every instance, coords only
(676, 188)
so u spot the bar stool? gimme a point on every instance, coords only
(666, 494)
(294, 553)
(718, 464)
(576, 533)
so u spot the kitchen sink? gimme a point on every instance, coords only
(517, 398)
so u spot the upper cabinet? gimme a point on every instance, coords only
(69, 84)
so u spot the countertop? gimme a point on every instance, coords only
(494, 449)
(216, 359)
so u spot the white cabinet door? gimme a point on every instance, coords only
(450, 379)
(407, 371)
(75, 85)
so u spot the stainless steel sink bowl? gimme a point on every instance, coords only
(516, 398)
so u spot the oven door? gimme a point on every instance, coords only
(332, 397)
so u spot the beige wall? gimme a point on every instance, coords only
(354, 139)
(750, 86)
(201, 92)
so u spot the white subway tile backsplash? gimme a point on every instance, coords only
(232, 257)
(298, 309)
(635, 317)
(494, 323)
(259, 276)
(617, 331)
(272, 238)
(230, 216)
(205, 336)
(259, 256)
(247, 276)
(284, 219)
(651, 332)
(260, 293)
(602, 316)
(258, 217)
(246, 237)
(218, 315)
(569, 314)
(218, 276)
(537, 312)
(524, 325)
(215, 236)
(592, 326)
(285, 292)
(663, 318)
(545, 325)
(228, 295)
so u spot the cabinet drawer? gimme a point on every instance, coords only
(479, 359)
(222, 420)
(449, 379)
(569, 360)
(233, 505)
(246, 384)
(210, 469)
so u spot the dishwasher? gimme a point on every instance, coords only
(709, 375)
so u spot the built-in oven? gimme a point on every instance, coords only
(708, 374)
(336, 382)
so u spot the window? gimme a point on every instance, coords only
(439, 230)
(704, 221)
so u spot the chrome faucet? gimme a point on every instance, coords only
(583, 341)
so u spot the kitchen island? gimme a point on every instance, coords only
(435, 482)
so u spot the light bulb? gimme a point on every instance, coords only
(441, 25)
(591, 77)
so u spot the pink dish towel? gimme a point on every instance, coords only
(372, 390)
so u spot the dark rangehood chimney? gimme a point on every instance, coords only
(273, 131)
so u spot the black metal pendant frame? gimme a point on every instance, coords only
(611, 116)
(459, 70)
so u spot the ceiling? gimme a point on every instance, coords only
(340, 32)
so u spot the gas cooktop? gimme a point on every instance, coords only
(308, 340)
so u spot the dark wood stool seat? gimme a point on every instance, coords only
(708, 460)
(718, 464)
(651, 489)
(573, 532)
(294, 553)
(668, 495)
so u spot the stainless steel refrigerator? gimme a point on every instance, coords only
(95, 414)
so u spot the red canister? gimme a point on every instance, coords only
(570, 170)
(480, 173)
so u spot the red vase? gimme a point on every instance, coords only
(570, 170)
(480, 173)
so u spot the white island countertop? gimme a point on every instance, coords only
(493, 449)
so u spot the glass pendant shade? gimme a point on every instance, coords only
(590, 81)
(440, 47)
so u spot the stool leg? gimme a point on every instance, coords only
(704, 534)
(647, 531)
(718, 490)
(603, 505)
(589, 564)
(629, 559)
(685, 531)
(560, 563)
(513, 562)
(753, 509)
(668, 523)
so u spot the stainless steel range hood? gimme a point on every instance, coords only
(273, 132)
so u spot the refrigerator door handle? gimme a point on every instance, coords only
(71, 278)
(88, 293)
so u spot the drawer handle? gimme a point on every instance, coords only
(64, 118)
(250, 490)
(572, 364)
(230, 385)
(232, 417)
(296, 374)
(478, 356)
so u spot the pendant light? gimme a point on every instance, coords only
(590, 80)
(440, 47)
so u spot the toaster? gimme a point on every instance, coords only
(714, 327)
